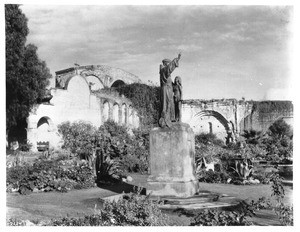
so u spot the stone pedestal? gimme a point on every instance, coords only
(172, 162)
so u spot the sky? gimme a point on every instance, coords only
(227, 51)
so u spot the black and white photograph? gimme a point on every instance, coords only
(149, 114)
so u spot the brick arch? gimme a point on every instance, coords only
(115, 113)
(105, 111)
(45, 129)
(45, 119)
(100, 81)
(69, 79)
(117, 83)
(130, 115)
(123, 113)
(214, 114)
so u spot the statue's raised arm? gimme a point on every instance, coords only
(167, 111)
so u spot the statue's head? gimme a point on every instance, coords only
(166, 61)
(178, 80)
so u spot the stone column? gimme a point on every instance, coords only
(32, 132)
(32, 138)
(172, 162)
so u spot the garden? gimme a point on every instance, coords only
(106, 156)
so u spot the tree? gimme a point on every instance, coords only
(280, 128)
(26, 75)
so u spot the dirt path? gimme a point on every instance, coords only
(81, 202)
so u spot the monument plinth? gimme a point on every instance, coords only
(172, 162)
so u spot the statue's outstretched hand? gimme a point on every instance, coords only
(179, 55)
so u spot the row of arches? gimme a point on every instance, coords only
(123, 114)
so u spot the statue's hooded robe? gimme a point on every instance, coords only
(167, 111)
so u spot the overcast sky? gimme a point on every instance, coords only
(227, 52)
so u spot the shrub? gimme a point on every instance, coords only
(26, 146)
(275, 145)
(145, 99)
(78, 137)
(131, 152)
(219, 218)
(208, 138)
(262, 176)
(15, 222)
(132, 210)
(280, 129)
(212, 176)
(114, 129)
(47, 175)
(121, 152)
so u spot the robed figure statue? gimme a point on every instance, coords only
(177, 89)
(167, 109)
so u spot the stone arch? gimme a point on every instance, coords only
(116, 112)
(45, 127)
(136, 120)
(117, 83)
(105, 111)
(69, 80)
(130, 115)
(209, 121)
(232, 126)
(94, 82)
(123, 114)
(215, 114)
(78, 92)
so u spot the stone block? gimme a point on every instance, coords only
(172, 162)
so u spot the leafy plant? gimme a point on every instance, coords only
(208, 138)
(131, 210)
(284, 212)
(134, 209)
(145, 99)
(47, 175)
(212, 176)
(79, 137)
(15, 222)
(220, 218)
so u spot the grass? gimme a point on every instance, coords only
(77, 203)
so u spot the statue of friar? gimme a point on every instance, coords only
(167, 109)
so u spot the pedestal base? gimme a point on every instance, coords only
(172, 162)
(174, 188)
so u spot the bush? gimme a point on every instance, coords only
(275, 145)
(15, 222)
(208, 138)
(131, 210)
(121, 152)
(280, 129)
(145, 99)
(47, 175)
(212, 176)
(220, 218)
(79, 137)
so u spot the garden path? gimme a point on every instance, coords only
(77, 203)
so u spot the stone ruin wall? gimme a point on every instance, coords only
(76, 101)
(216, 116)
